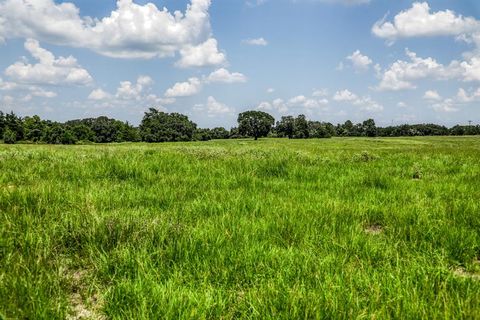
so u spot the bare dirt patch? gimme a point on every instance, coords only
(375, 229)
(83, 307)
(463, 273)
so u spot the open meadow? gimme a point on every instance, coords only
(271, 229)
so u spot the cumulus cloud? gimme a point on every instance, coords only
(365, 103)
(133, 91)
(99, 94)
(466, 97)
(131, 95)
(359, 61)
(184, 89)
(308, 104)
(205, 54)
(213, 107)
(130, 31)
(254, 3)
(256, 42)
(48, 70)
(400, 74)
(447, 105)
(432, 95)
(225, 76)
(278, 105)
(419, 21)
(344, 95)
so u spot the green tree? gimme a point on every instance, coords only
(68, 137)
(286, 127)
(159, 126)
(83, 132)
(370, 128)
(34, 127)
(301, 127)
(3, 124)
(219, 133)
(15, 124)
(202, 135)
(9, 137)
(255, 123)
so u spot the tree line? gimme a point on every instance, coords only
(157, 126)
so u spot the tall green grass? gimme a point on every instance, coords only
(273, 229)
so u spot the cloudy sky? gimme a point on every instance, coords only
(332, 60)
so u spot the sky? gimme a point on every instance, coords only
(332, 60)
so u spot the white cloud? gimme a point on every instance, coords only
(213, 107)
(184, 89)
(256, 42)
(270, 90)
(401, 104)
(39, 92)
(432, 95)
(205, 54)
(130, 31)
(344, 95)
(7, 86)
(465, 97)
(471, 69)
(400, 74)
(448, 105)
(365, 103)
(223, 75)
(278, 105)
(298, 100)
(368, 104)
(133, 91)
(418, 21)
(359, 61)
(255, 3)
(98, 94)
(49, 70)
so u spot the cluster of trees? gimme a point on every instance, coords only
(159, 126)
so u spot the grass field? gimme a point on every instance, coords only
(273, 229)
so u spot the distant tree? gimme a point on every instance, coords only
(54, 134)
(159, 126)
(219, 133)
(2, 123)
(457, 130)
(33, 128)
(348, 129)
(15, 124)
(9, 137)
(68, 137)
(370, 128)
(129, 133)
(286, 127)
(318, 130)
(255, 124)
(202, 135)
(235, 133)
(106, 130)
(83, 132)
(301, 127)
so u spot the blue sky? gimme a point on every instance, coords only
(333, 60)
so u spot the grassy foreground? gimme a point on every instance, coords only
(273, 229)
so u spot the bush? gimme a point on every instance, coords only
(9, 137)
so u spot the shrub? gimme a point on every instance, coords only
(9, 137)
